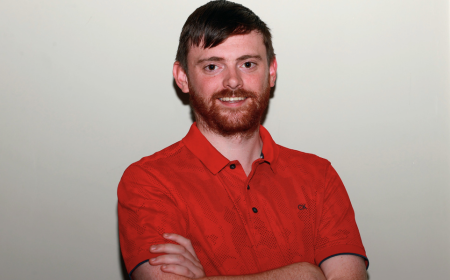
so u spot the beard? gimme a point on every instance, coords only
(241, 121)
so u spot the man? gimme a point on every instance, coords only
(226, 201)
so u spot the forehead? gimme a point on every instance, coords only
(233, 47)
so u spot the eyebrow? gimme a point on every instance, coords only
(215, 58)
(212, 58)
(244, 57)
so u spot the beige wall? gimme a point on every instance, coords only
(86, 89)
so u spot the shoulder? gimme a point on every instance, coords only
(163, 159)
(154, 169)
(291, 158)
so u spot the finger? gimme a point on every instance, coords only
(174, 249)
(174, 259)
(186, 243)
(179, 270)
(179, 260)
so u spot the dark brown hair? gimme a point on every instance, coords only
(214, 22)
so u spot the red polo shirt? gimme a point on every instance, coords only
(291, 208)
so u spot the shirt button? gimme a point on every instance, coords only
(248, 187)
(255, 210)
(233, 166)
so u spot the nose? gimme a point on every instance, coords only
(233, 79)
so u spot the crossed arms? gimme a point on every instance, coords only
(180, 262)
(145, 201)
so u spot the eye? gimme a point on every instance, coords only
(211, 67)
(248, 64)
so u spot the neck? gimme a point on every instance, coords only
(245, 148)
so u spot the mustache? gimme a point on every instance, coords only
(233, 93)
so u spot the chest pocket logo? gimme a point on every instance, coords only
(302, 207)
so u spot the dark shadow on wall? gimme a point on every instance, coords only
(184, 98)
(123, 269)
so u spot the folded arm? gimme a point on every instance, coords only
(303, 271)
(180, 262)
(346, 267)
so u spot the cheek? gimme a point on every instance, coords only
(256, 82)
(208, 86)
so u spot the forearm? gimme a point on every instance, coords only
(300, 271)
(344, 267)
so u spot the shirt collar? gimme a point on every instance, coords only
(197, 143)
(270, 149)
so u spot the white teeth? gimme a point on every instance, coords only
(232, 99)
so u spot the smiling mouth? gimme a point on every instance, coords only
(232, 99)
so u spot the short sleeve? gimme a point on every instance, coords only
(337, 230)
(145, 211)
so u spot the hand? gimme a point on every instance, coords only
(179, 259)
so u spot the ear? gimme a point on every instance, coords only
(273, 72)
(180, 77)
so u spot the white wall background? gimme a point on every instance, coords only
(86, 89)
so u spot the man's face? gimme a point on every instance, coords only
(229, 85)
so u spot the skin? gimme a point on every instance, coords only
(348, 267)
(239, 62)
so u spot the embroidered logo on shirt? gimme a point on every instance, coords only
(302, 207)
